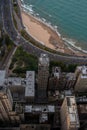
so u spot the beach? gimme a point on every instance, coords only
(46, 35)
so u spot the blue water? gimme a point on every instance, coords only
(70, 17)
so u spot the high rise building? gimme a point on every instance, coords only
(43, 74)
(53, 84)
(81, 83)
(54, 79)
(30, 86)
(7, 114)
(17, 87)
(6, 103)
(5, 98)
(69, 114)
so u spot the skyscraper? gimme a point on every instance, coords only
(81, 83)
(6, 103)
(43, 74)
(5, 98)
(69, 114)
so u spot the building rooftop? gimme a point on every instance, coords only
(16, 81)
(43, 117)
(82, 70)
(56, 71)
(72, 110)
(44, 60)
(30, 84)
(2, 77)
(70, 76)
(40, 108)
(68, 92)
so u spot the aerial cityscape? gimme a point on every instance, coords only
(43, 79)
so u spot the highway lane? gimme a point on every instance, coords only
(19, 40)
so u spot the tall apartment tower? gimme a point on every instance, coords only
(81, 83)
(6, 101)
(69, 114)
(43, 73)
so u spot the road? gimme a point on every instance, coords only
(30, 48)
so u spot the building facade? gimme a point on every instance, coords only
(81, 83)
(43, 74)
(69, 115)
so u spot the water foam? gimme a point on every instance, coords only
(72, 43)
(28, 8)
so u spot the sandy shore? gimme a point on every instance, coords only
(46, 35)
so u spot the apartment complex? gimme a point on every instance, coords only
(81, 83)
(69, 114)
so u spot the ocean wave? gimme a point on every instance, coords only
(28, 8)
(37, 14)
(31, 5)
(72, 43)
(43, 19)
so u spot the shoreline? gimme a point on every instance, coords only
(53, 38)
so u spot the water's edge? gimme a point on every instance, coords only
(69, 42)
